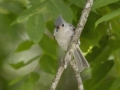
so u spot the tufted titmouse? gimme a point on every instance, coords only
(63, 33)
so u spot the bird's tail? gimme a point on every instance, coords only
(80, 59)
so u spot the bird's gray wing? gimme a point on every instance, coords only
(78, 56)
(80, 59)
(71, 27)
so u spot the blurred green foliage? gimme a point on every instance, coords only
(29, 55)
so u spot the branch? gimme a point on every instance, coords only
(60, 70)
(71, 46)
(77, 75)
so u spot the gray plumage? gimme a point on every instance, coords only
(63, 33)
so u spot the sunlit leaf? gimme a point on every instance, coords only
(35, 27)
(24, 46)
(108, 17)
(48, 64)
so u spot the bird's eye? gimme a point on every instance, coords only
(62, 25)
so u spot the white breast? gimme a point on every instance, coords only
(63, 37)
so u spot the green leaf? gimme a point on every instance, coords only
(34, 77)
(1, 1)
(32, 10)
(50, 25)
(116, 85)
(35, 27)
(115, 27)
(57, 7)
(30, 82)
(79, 3)
(85, 44)
(101, 3)
(98, 58)
(18, 65)
(89, 33)
(27, 85)
(16, 80)
(12, 6)
(3, 11)
(48, 64)
(108, 17)
(117, 61)
(24, 46)
(22, 64)
(48, 46)
(103, 68)
(114, 44)
(98, 52)
(105, 84)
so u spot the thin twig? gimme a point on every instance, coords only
(77, 75)
(71, 46)
(60, 70)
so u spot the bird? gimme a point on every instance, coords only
(63, 34)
